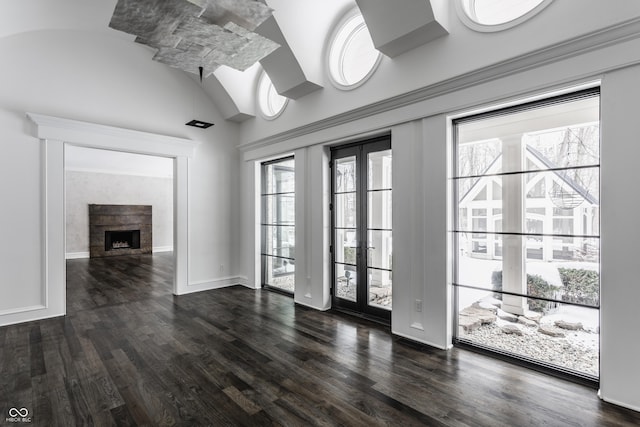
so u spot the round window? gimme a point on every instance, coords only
(497, 15)
(352, 55)
(271, 103)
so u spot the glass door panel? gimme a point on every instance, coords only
(362, 236)
(379, 242)
(346, 223)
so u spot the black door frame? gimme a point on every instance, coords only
(360, 150)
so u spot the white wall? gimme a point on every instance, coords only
(101, 79)
(85, 188)
(620, 206)
(421, 143)
(444, 60)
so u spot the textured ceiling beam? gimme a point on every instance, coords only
(189, 34)
(282, 66)
(244, 13)
(397, 27)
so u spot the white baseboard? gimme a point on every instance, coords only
(207, 285)
(311, 306)
(617, 402)
(76, 255)
(421, 341)
(81, 255)
(26, 314)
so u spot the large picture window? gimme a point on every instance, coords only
(526, 235)
(278, 225)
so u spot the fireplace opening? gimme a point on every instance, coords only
(114, 240)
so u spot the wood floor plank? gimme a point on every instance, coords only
(131, 353)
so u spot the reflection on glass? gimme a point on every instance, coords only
(278, 209)
(279, 241)
(380, 288)
(346, 282)
(345, 246)
(380, 249)
(345, 207)
(379, 170)
(279, 177)
(345, 179)
(279, 273)
(379, 234)
(558, 334)
(379, 209)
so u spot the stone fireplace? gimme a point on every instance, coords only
(120, 230)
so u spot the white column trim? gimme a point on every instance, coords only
(57, 133)
(181, 200)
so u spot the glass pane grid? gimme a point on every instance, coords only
(527, 235)
(525, 172)
(380, 288)
(286, 193)
(345, 263)
(379, 230)
(507, 233)
(378, 268)
(278, 224)
(544, 292)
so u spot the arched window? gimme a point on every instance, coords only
(497, 15)
(352, 55)
(270, 102)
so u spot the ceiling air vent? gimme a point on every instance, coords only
(199, 124)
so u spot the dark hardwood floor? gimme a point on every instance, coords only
(130, 353)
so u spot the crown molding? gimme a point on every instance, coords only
(109, 137)
(576, 46)
(117, 172)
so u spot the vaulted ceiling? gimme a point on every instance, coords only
(289, 43)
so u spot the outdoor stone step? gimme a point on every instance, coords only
(527, 322)
(507, 316)
(511, 330)
(468, 323)
(551, 331)
(533, 315)
(485, 316)
(571, 326)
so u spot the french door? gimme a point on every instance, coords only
(361, 222)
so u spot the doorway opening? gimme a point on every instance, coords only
(119, 222)
(362, 245)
